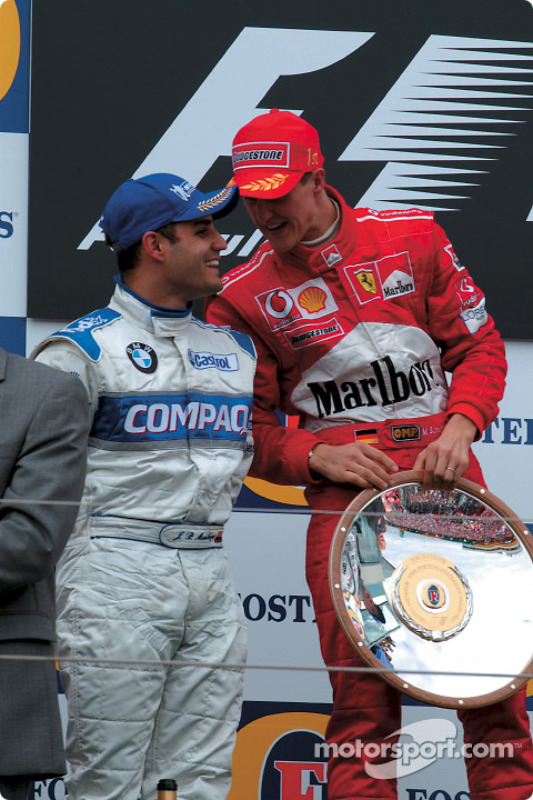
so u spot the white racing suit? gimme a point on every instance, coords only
(144, 577)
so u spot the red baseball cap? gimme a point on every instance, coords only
(272, 152)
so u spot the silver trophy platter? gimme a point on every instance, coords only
(434, 588)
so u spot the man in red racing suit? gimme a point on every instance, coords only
(357, 315)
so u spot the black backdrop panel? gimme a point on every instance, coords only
(418, 102)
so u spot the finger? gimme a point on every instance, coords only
(448, 475)
(438, 479)
(445, 469)
(377, 457)
(369, 476)
(420, 462)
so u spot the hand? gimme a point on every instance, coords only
(445, 459)
(360, 464)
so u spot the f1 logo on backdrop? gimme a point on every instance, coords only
(189, 146)
(418, 124)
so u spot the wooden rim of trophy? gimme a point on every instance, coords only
(437, 569)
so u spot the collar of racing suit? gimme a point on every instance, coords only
(331, 231)
(156, 319)
(307, 256)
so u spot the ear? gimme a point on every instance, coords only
(152, 244)
(319, 180)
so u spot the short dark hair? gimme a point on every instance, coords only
(169, 231)
(128, 259)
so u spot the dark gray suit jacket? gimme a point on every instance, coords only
(43, 449)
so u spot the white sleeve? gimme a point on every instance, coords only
(68, 358)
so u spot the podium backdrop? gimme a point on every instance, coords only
(422, 103)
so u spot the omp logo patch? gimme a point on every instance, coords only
(405, 433)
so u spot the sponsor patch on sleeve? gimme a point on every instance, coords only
(475, 317)
(81, 331)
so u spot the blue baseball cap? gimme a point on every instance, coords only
(146, 204)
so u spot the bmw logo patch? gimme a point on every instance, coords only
(142, 356)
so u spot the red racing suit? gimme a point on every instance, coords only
(355, 337)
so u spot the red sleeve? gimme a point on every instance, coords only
(280, 453)
(471, 347)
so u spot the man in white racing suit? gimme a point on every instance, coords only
(144, 580)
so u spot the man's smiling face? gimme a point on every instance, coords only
(295, 217)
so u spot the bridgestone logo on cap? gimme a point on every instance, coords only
(261, 155)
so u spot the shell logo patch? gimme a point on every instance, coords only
(313, 299)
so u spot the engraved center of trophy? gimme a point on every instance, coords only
(431, 596)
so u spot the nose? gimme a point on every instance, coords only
(219, 243)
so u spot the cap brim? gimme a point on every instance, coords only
(228, 205)
(266, 184)
(215, 204)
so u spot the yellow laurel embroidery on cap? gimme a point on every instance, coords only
(213, 201)
(265, 184)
